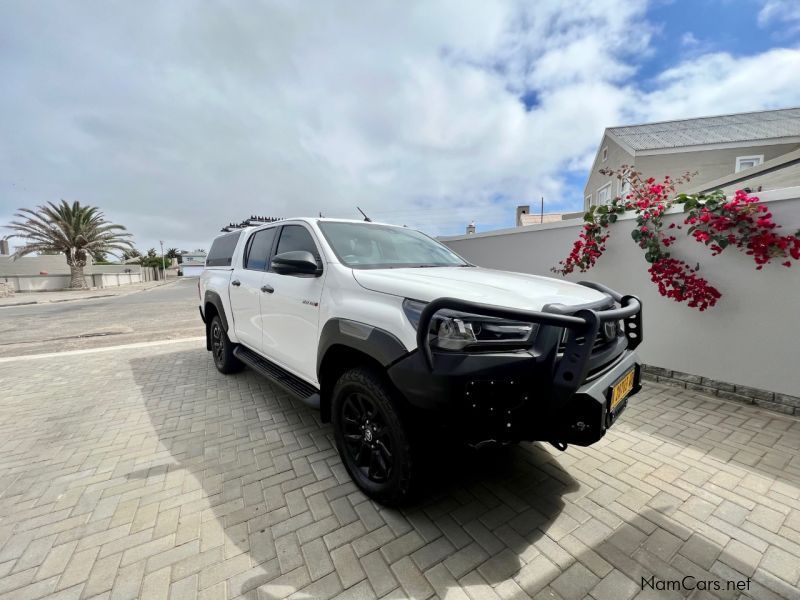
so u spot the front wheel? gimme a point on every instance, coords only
(222, 348)
(371, 437)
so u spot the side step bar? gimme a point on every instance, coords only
(307, 393)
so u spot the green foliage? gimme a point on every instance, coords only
(73, 229)
(152, 261)
(132, 253)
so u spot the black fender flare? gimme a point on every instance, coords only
(381, 345)
(214, 299)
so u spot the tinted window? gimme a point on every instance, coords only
(369, 246)
(221, 253)
(296, 237)
(258, 249)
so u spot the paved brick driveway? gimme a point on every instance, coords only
(144, 473)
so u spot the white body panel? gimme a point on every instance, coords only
(475, 284)
(288, 327)
(246, 305)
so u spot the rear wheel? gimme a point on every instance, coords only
(372, 438)
(222, 348)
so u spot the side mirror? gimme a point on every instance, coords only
(297, 262)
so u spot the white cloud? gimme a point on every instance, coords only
(689, 40)
(176, 118)
(721, 83)
(780, 11)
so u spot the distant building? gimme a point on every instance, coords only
(756, 150)
(193, 263)
(524, 216)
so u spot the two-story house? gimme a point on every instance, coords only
(758, 150)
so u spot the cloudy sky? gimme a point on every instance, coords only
(178, 117)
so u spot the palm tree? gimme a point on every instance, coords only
(173, 253)
(72, 229)
(132, 253)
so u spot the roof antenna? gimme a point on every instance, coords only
(366, 218)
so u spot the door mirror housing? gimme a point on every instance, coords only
(296, 262)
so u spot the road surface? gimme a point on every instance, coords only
(165, 312)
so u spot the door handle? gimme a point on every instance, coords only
(267, 288)
(236, 282)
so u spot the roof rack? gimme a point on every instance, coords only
(253, 220)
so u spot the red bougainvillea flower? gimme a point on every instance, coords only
(742, 222)
(676, 280)
(714, 220)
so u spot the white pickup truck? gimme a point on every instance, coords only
(396, 339)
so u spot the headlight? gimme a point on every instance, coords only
(453, 330)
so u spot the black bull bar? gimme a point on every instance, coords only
(582, 322)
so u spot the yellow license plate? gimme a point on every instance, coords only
(621, 389)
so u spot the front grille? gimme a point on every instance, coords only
(600, 343)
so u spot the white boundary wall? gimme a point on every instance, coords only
(750, 338)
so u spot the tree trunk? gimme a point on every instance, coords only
(76, 259)
(76, 279)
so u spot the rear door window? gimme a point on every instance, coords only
(258, 249)
(222, 248)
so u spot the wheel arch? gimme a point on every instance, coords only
(212, 306)
(345, 344)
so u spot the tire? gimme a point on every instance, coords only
(372, 439)
(222, 348)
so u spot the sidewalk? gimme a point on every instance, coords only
(24, 298)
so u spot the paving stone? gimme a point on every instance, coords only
(102, 576)
(615, 586)
(767, 518)
(741, 557)
(317, 559)
(56, 560)
(700, 550)
(575, 582)
(347, 566)
(663, 544)
(380, 576)
(444, 584)
(432, 553)
(129, 581)
(781, 563)
(402, 546)
(411, 579)
(536, 575)
(322, 589)
(731, 512)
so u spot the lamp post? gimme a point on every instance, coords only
(163, 265)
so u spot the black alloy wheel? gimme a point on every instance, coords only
(372, 437)
(367, 438)
(222, 348)
(217, 344)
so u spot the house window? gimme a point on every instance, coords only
(588, 201)
(624, 188)
(604, 194)
(605, 154)
(748, 162)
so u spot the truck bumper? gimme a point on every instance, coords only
(561, 390)
(509, 397)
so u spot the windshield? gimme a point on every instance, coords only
(368, 246)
